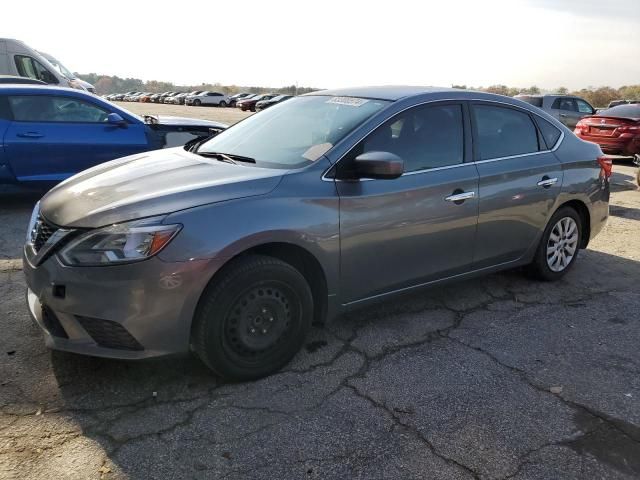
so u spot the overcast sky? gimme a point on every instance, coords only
(549, 43)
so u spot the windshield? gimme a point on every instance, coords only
(61, 68)
(295, 133)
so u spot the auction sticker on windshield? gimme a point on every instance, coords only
(350, 101)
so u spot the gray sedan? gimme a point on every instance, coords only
(320, 204)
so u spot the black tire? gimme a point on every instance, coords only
(197, 103)
(253, 319)
(222, 104)
(540, 267)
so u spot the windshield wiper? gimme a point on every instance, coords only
(227, 157)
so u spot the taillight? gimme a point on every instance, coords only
(581, 127)
(606, 166)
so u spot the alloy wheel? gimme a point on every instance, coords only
(562, 244)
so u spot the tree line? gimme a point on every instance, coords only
(597, 96)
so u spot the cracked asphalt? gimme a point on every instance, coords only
(495, 378)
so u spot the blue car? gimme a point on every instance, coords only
(48, 134)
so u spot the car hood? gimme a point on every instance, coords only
(182, 121)
(149, 184)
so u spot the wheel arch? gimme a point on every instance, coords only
(585, 216)
(300, 258)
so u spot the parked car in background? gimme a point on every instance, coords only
(18, 59)
(51, 133)
(208, 98)
(164, 96)
(121, 96)
(183, 99)
(264, 104)
(249, 104)
(616, 129)
(145, 98)
(332, 200)
(155, 97)
(615, 103)
(176, 99)
(568, 109)
(238, 96)
(75, 81)
(132, 97)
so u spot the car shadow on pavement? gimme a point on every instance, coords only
(423, 375)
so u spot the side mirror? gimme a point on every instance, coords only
(116, 120)
(379, 165)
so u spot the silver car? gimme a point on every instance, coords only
(320, 204)
(568, 109)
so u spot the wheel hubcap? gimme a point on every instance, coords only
(562, 244)
(258, 321)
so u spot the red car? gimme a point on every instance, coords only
(250, 103)
(616, 130)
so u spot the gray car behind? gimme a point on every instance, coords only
(568, 109)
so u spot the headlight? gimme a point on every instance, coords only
(121, 243)
(31, 229)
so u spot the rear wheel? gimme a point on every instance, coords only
(253, 319)
(559, 245)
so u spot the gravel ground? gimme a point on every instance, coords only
(493, 378)
(224, 115)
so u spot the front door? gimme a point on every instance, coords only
(54, 137)
(419, 227)
(520, 179)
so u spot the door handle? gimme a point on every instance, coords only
(458, 197)
(564, 115)
(546, 182)
(30, 135)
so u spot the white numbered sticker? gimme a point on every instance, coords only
(350, 101)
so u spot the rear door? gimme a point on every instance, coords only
(53, 137)
(399, 233)
(6, 175)
(520, 178)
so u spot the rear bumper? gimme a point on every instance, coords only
(615, 146)
(133, 311)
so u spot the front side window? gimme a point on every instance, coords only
(31, 68)
(584, 107)
(423, 137)
(294, 133)
(503, 132)
(46, 108)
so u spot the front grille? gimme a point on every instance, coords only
(42, 231)
(52, 323)
(109, 334)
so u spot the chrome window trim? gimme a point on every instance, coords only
(415, 172)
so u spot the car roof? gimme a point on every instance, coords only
(387, 92)
(28, 88)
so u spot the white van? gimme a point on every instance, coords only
(17, 58)
(81, 84)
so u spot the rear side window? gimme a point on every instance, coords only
(424, 137)
(46, 108)
(503, 132)
(536, 101)
(550, 133)
(5, 111)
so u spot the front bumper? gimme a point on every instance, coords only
(132, 311)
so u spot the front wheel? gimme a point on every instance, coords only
(559, 246)
(253, 319)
